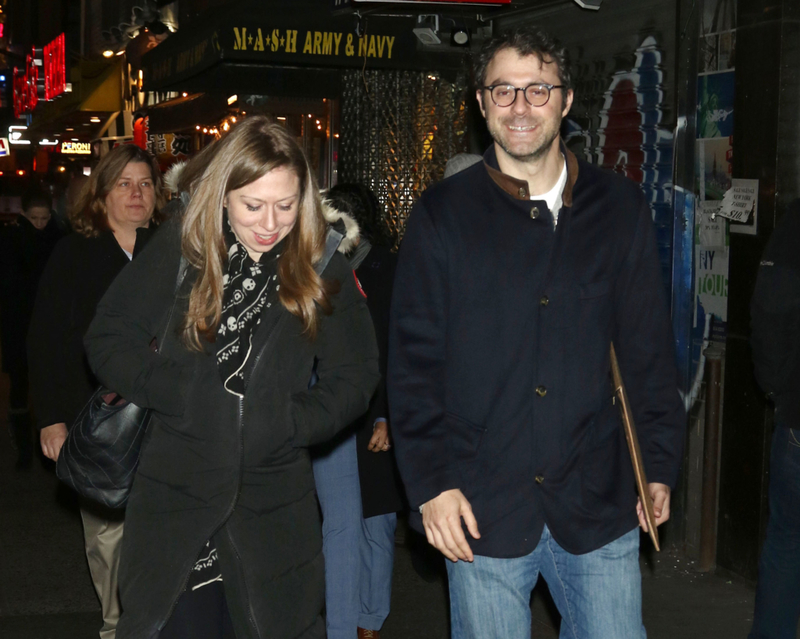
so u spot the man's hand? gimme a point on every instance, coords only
(441, 517)
(52, 439)
(660, 494)
(379, 441)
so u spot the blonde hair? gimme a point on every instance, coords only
(88, 214)
(251, 150)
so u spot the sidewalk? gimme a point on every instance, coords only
(46, 591)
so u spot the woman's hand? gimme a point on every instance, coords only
(380, 437)
(52, 439)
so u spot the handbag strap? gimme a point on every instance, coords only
(182, 268)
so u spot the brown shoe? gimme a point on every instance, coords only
(368, 634)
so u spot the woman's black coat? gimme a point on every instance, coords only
(216, 465)
(76, 277)
(381, 488)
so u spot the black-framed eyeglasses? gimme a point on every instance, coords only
(504, 95)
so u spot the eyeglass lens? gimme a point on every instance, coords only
(505, 94)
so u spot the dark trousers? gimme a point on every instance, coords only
(778, 591)
(200, 614)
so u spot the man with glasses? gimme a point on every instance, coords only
(514, 278)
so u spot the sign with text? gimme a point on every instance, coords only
(711, 227)
(296, 38)
(4, 150)
(76, 148)
(739, 200)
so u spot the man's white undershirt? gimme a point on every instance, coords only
(553, 196)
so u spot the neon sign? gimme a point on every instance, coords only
(45, 76)
(55, 68)
(77, 148)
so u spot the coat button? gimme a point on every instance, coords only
(522, 192)
(539, 479)
(544, 301)
(541, 391)
(534, 212)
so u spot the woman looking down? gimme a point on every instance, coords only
(222, 529)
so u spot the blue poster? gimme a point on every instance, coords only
(715, 105)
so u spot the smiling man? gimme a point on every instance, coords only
(514, 278)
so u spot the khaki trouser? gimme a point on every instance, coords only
(102, 534)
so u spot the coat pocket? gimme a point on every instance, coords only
(466, 437)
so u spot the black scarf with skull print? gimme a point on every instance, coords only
(249, 288)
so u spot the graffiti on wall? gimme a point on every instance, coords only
(630, 137)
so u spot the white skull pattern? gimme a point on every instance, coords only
(249, 284)
(231, 323)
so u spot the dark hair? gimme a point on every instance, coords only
(362, 204)
(525, 41)
(88, 216)
(36, 197)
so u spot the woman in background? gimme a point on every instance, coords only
(25, 247)
(356, 476)
(112, 219)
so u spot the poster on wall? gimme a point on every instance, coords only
(715, 105)
(711, 268)
(745, 191)
(714, 168)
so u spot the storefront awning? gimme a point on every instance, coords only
(274, 47)
(97, 89)
(186, 113)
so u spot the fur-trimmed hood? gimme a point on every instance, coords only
(173, 176)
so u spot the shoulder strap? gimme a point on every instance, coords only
(332, 242)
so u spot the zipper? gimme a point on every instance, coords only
(250, 615)
(232, 507)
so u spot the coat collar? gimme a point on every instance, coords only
(518, 189)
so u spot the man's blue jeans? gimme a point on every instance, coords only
(599, 594)
(359, 553)
(778, 591)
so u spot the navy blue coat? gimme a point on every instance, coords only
(499, 380)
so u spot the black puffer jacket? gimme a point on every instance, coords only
(215, 465)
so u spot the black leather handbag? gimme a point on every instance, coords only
(100, 455)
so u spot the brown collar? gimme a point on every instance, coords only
(519, 190)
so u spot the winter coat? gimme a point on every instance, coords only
(76, 277)
(218, 466)
(379, 479)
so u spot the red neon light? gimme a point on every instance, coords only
(20, 93)
(32, 77)
(55, 68)
(48, 84)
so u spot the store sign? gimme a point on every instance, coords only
(45, 77)
(55, 68)
(76, 148)
(4, 150)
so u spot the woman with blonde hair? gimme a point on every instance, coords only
(223, 533)
(112, 218)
